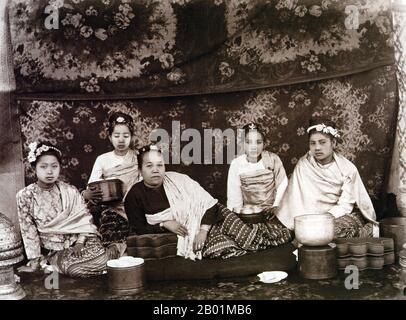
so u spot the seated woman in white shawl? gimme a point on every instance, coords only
(173, 202)
(55, 224)
(326, 182)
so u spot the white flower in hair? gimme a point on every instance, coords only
(31, 155)
(33, 146)
(35, 152)
(325, 129)
(31, 158)
(120, 120)
(40, 150)
(320, 127)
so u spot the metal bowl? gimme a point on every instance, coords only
(314, 229)
(112, 189)
(251, 214)
(248, 209)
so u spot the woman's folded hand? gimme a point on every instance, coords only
(175, 227)
(199, 241)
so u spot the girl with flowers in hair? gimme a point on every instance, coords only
(326, 182)
(256, 177)
(55, 224)
(121, 163)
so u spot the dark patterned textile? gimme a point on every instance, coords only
(352, 225)
(232, 237)
(362, 105)
(159, 48)
(208, 64)
(113, 227)
(93, 261)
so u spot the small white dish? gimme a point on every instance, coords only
(272, 276)
(124, 262)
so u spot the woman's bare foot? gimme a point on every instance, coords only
(116, 250)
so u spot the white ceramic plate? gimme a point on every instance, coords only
(124, 262)
(272, 276)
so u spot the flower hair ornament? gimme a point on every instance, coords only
(153, 147)
(35, 152)
(325, 129)
(252, 126)
(122, 120)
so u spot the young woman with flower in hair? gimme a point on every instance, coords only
(324, 181)
(256, 177)
(56, 226)
(121, 163)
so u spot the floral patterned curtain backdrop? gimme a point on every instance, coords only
(173, 47)
(207, 64)
(362, 105)
(399, 20)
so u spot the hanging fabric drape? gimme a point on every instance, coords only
(399, 179)
(11, 179)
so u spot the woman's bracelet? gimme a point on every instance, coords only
(205, 227)
(81, 239)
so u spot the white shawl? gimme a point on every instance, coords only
(74, 218)
(188, 203)
(310, 191)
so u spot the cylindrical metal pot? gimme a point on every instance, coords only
(126, 280)
(317, 262)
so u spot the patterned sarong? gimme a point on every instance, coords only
(231, 237)
(113, 227)
(92, 263)
(352, 225)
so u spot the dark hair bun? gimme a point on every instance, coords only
(120, 118)
(145, 149)
(252, 126)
